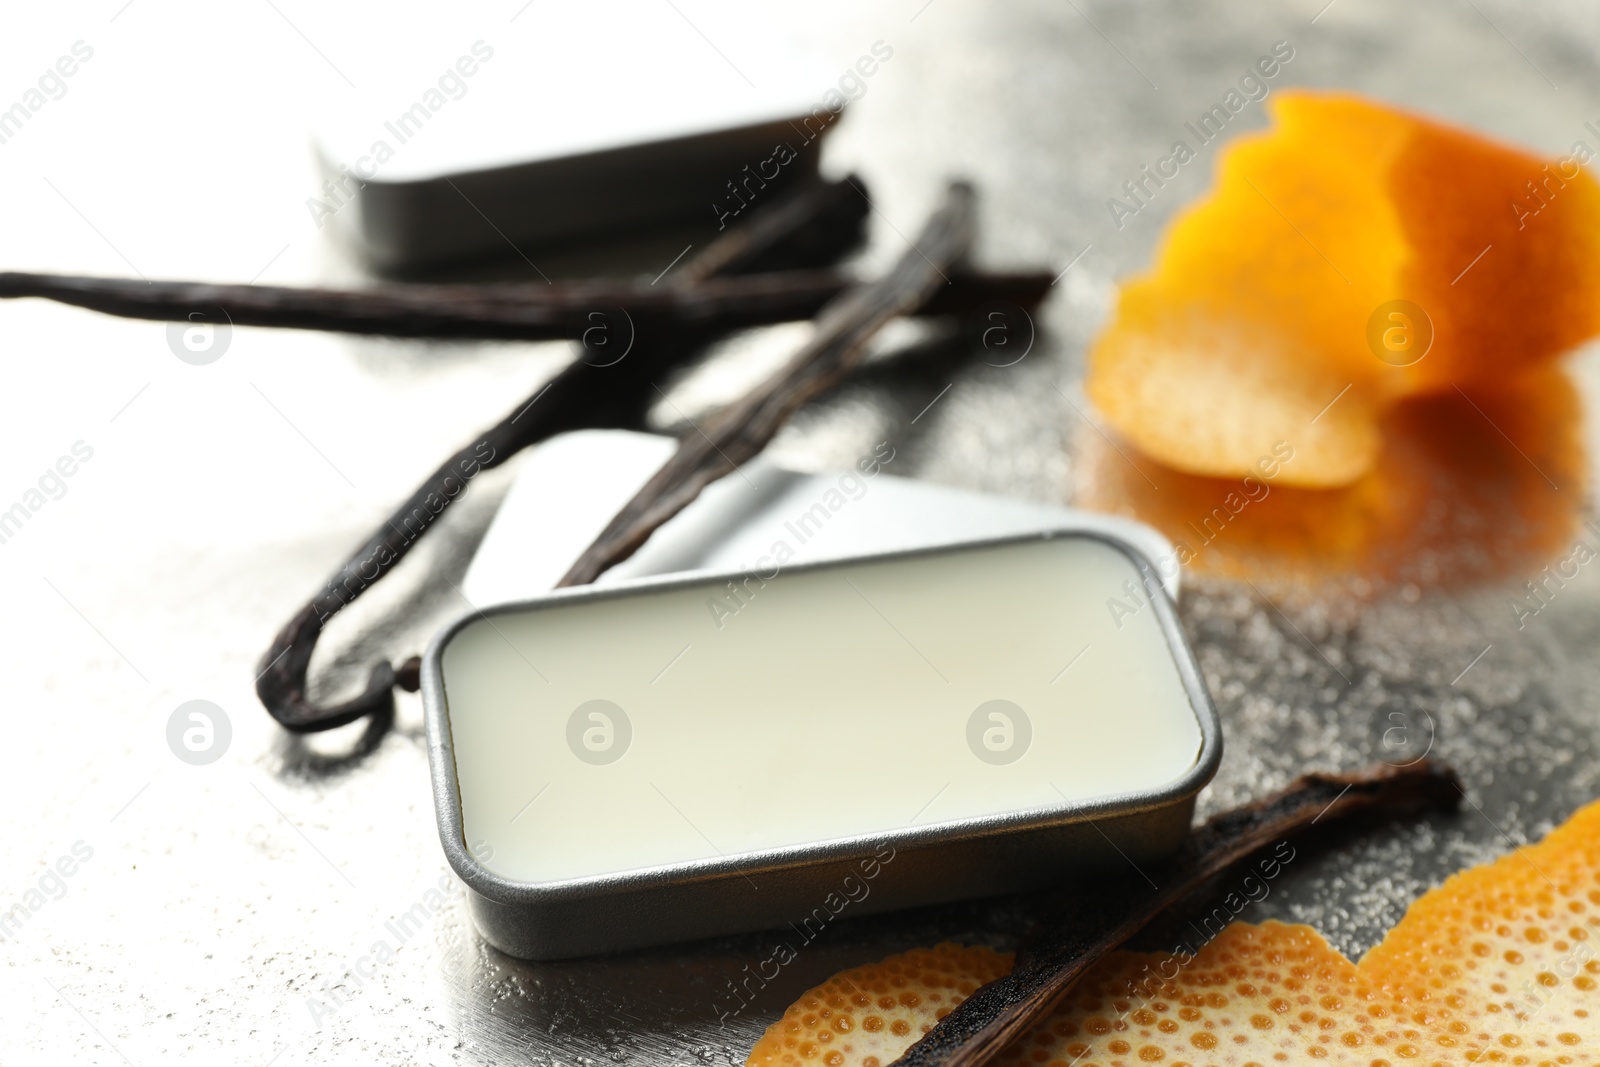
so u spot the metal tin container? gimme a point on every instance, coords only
(437, 220)
(761, 836)
(581, 125)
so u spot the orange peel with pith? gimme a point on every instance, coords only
(868, 1016)
(1499, 965)
(1268, 315)
(1465, 489)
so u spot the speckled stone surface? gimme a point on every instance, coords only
(232, 912)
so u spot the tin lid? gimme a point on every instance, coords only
(559, 80)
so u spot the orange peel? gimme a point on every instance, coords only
(1467, 487)
(1267, 315)
(1499, 965)
(867, 1016)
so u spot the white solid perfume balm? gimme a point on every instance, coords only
(654, 728)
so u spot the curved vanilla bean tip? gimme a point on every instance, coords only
(580, 396)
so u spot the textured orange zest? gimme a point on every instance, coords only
(1499, 965)
(1256, 315)
(867, 1016)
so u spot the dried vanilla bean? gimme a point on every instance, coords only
(492, 312)
(1084, 930)
(489, 312)
(837, 346)
(798, 230)
(581, 396)
(758, 274)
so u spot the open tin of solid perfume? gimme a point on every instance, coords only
(676, 757)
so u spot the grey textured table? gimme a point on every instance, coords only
(223, 909)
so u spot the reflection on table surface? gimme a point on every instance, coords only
(253, 906)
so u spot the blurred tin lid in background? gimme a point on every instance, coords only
(472, 140)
